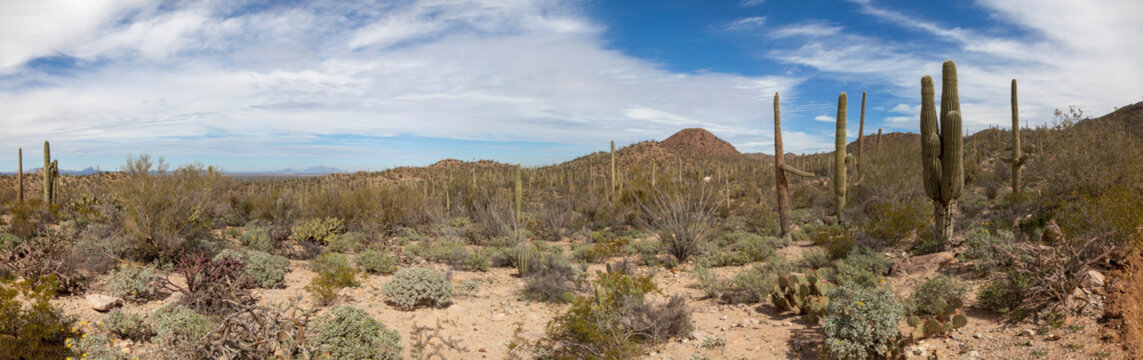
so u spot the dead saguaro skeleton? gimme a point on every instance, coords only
(781, 183)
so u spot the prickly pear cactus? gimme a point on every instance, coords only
(801, 294)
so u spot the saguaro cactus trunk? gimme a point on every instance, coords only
(781, 182)
(613, 170)
(860, 137)
(1018, 157)
(20, 176)
(942, 154)
(519, 196)
(47, 171)
(839, 159)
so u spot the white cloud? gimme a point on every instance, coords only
(749, 3)
(810, 29)
(824, 118)
(906, 109)
(511, 71)
(746, 23)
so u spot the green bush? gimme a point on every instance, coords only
(933, 295)
(1005, 294)
(95, 347)
(814, 259)
(925, 244)
(986, 250)
(347, 242)
(448, 252)
(317, 230)
(554, 280)
(127, 325)
(134, 281)
(180, 327)
(267, 270)
(863, 267)
(754, 285)
(837, 240)
(709, 283)
(8, 241)
(377, 262)
(257, 238)
(416, 287)
(861, 323)
(348, 332)
(477, 261)
(29, 324)
(892, 221)
(334, 272)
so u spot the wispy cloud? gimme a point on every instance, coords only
(746, 23)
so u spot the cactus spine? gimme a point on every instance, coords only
(20, 177)
(1018, 157)
(942, 154)
(781, 182)
(860, 137)
(839, 159)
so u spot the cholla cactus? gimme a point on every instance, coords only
(942, 154)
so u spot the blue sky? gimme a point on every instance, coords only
(262, 85)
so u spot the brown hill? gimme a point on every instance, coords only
(699, 142)
(1129, 118)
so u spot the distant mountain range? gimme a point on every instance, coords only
(313, 170)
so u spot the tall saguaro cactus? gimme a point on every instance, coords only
(613, 170)
(781, 183)
(861, 137)
(519, 196)
(878, 140)
(839, 159)
(942, 153)
(20, 177)
(47, 173)
(1018, 157)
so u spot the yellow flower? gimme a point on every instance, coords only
(859, 303)
(84, 336)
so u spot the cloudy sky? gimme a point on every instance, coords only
(261, 85)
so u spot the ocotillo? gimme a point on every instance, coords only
(781, 183)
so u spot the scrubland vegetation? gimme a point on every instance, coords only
(588, 239)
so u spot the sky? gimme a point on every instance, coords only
(360, 85)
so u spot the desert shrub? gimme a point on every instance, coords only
(861, 323)
(349, 332)
(258, 238)
(709, 283)
(553, 281)
(29, 324)
(95, 347)
(751, 286)
(179, 328)
(166, 212)
(134, 281)
(459, 228)
(127, 325)
(8, 241)
(334, 272)
(986, 251)
(214, 286)
(1114, 212)
(933, 295)
(267, 270)
(814, 259)
(347, 242)
(741, 248)
(319, 230)
(890, 222)
(415, 287)
(682, 219)
(585, 253)
(477, 261)
(377, 262)
(862, 267)
(616, 321)
(448, 252)
(837, 240)
(925, 244)
(646, 250)
(53, 254)
(1005, 294)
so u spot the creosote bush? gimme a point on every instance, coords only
(861, 323)
(95, 347)
(349, 332)
(269, 271)
(179, 328)
(553, 281)
(29, 324)
(377, 262)
(134, 281)
(931, 296)
(334, 272)
(127, 325)
(862, 267)
(415, 287)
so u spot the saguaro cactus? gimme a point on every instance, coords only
(519, 196)
(613, 170)
(20, 177)
(878, 140)
(942, 154)
(839, 159)
(1018, 157)
(781, 183)
(860, 137)
(47, 173)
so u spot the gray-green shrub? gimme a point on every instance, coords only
(377, 262)
(179, 326)
(257, 238)
(134, 281)
(861, 323)
(267, 270)
(933, 295)
(334, 272)
(862, 266)
(415, 287)
(348, 332)
(127, 325)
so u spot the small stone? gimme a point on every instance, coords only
(1095, 279)
(499, 316)
(976, 335)
(723, 317)
(698, 335)
(971, 355)
(919, 350)
(103, 303)
(1027, 332)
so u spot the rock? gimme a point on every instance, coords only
(103, 303)
(918, 350)
(924, 264)
(698, 335)
(1027, 332)
(1094, 280)
(499, 316)
(971, 355)
(976, 335)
